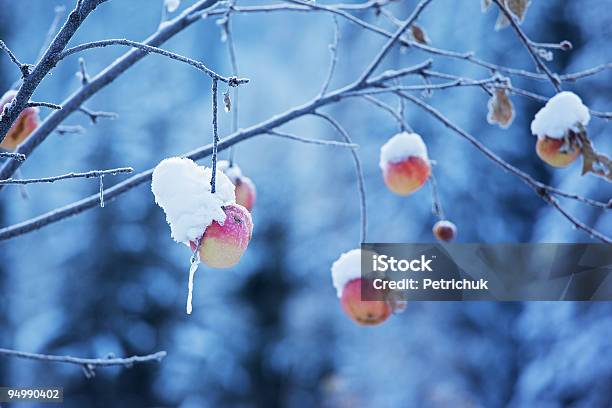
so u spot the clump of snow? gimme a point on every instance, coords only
(233, 172)
(402, 146)
(564, 111)
(172, 5)
(345, 269)
(182, 189)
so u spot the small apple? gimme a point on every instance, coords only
(405, 164)
(245, 188)
(26, 123)
(363, 312)
(558, 152)
(444, 230)
(222, 246)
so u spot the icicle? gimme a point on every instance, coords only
(102, 191)
(195, 262)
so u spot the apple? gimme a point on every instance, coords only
(222, 245)
(26, 123)
(444, 230)
(245, 188)
(363, 312)
(405, 163)
(557, 152)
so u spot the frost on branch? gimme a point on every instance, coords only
(564, 112)
(345, 269)
(182, 189)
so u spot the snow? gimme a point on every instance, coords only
(402, 146)
(345, 269)
(172, 5)
(182, 189)
(563, 112)
(234, 172)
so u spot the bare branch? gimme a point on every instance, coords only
(232, 81)
(44, 104)
(88, 364)
(89, 174)
(23, 68)
(358, 170)
(312, 141)
(95, 115)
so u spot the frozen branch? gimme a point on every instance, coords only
(312, 141)
(88, 364)
(232, 81)
(333, 49)
(89, 174)
(358, 170)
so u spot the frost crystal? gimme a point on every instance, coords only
(564, 111)
(182, 189)
(402, 146)
(345, 269)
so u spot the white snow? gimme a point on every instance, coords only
(182, 189)
(563, 112)
(234, 172)
(345, 269)
(402, 146)
(172, 5)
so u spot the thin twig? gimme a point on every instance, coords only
(89, 174)
(215, 128)
(24, 68)
(312, 141)
(397, 115)
(232, 81)
(436, 206)
(333, 49)
(86, 362)
(358, 170)
(95, 115)
(44, 104)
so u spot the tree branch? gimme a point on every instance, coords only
(89, 174)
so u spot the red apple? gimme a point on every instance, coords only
(557, 152)
(363, 312)
(26, 123)
(405, 163)
(444, 230)
(245, 188)
(222, 246)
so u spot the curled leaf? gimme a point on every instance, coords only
(593, 161)
(501, 111)
(419, 34)
(485, 5)
(227, 101)
(517, 7)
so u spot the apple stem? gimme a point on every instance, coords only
(215, 136)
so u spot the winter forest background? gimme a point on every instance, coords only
(270, 332)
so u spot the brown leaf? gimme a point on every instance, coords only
(485, 5)
(501, 111)
(518, 8)
(227, 101)
(419, 34)
(593, 161)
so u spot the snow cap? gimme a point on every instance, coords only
(182, 189)
(563, 112)
(345, 269)
(402, 146)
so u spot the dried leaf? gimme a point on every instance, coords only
(501, 111)
(227, 101)
(419, 34)
(593, 161)
(502, 21)
(518, 8)
(485, 5)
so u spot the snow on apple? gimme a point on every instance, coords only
(556, 125)
(182, 189)
(405, 163)
(346, 277)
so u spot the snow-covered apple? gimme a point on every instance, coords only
(346, 276)
(444, 230)
(405, 163)
(27, 121)
(222, 245)
(557, 125)
(245, 188)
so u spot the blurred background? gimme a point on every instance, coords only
(270, 332)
